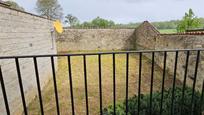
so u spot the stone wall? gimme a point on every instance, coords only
(148, 38)
(23, 33)
(96, 39)
(145, 37)
(183, 42)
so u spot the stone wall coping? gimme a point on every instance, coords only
(67, 28)
(4, 6)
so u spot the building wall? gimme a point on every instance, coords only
(96, 39)
(23, 33)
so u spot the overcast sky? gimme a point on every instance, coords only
(125, 11)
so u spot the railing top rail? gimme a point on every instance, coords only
(102, 53)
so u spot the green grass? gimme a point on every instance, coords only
(167, 31)
(93, 84)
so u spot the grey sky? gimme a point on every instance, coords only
(125, 11)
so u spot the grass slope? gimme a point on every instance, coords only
(93, 85)
(167, 31)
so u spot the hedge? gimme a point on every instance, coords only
(156, 100)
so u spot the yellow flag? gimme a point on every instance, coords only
(58, 26)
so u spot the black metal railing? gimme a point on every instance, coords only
(187, 53)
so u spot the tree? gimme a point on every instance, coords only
(14, 5)
(71, 20)
(49, 8)
(97, 23)
(100, 22)
(189, 21)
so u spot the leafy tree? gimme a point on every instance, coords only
(49, 8)
(86, 24)
(100, 22)
(14, 5)
(71, 20)
(189, 21)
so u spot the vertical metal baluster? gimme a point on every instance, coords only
(85, 83)
(139, 87)
(100, 84)
(152, 79)
(21, 85)
(184, 81)
(174, 82)
(71, 85)
(163, 80)
(4, 92)
(194, 81)
(55, 84)
(201, 99)
(127, 73)
(38, 84)
(114, 87)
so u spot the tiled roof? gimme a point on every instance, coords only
(186, 33)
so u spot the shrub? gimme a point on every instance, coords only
(156, 98)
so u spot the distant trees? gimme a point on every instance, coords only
(189, 21)
(14, 5)
(98, 23)
(166, 24)
(49, 8)
(71, 20)
(172, 24)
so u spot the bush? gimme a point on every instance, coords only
(156, 98)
